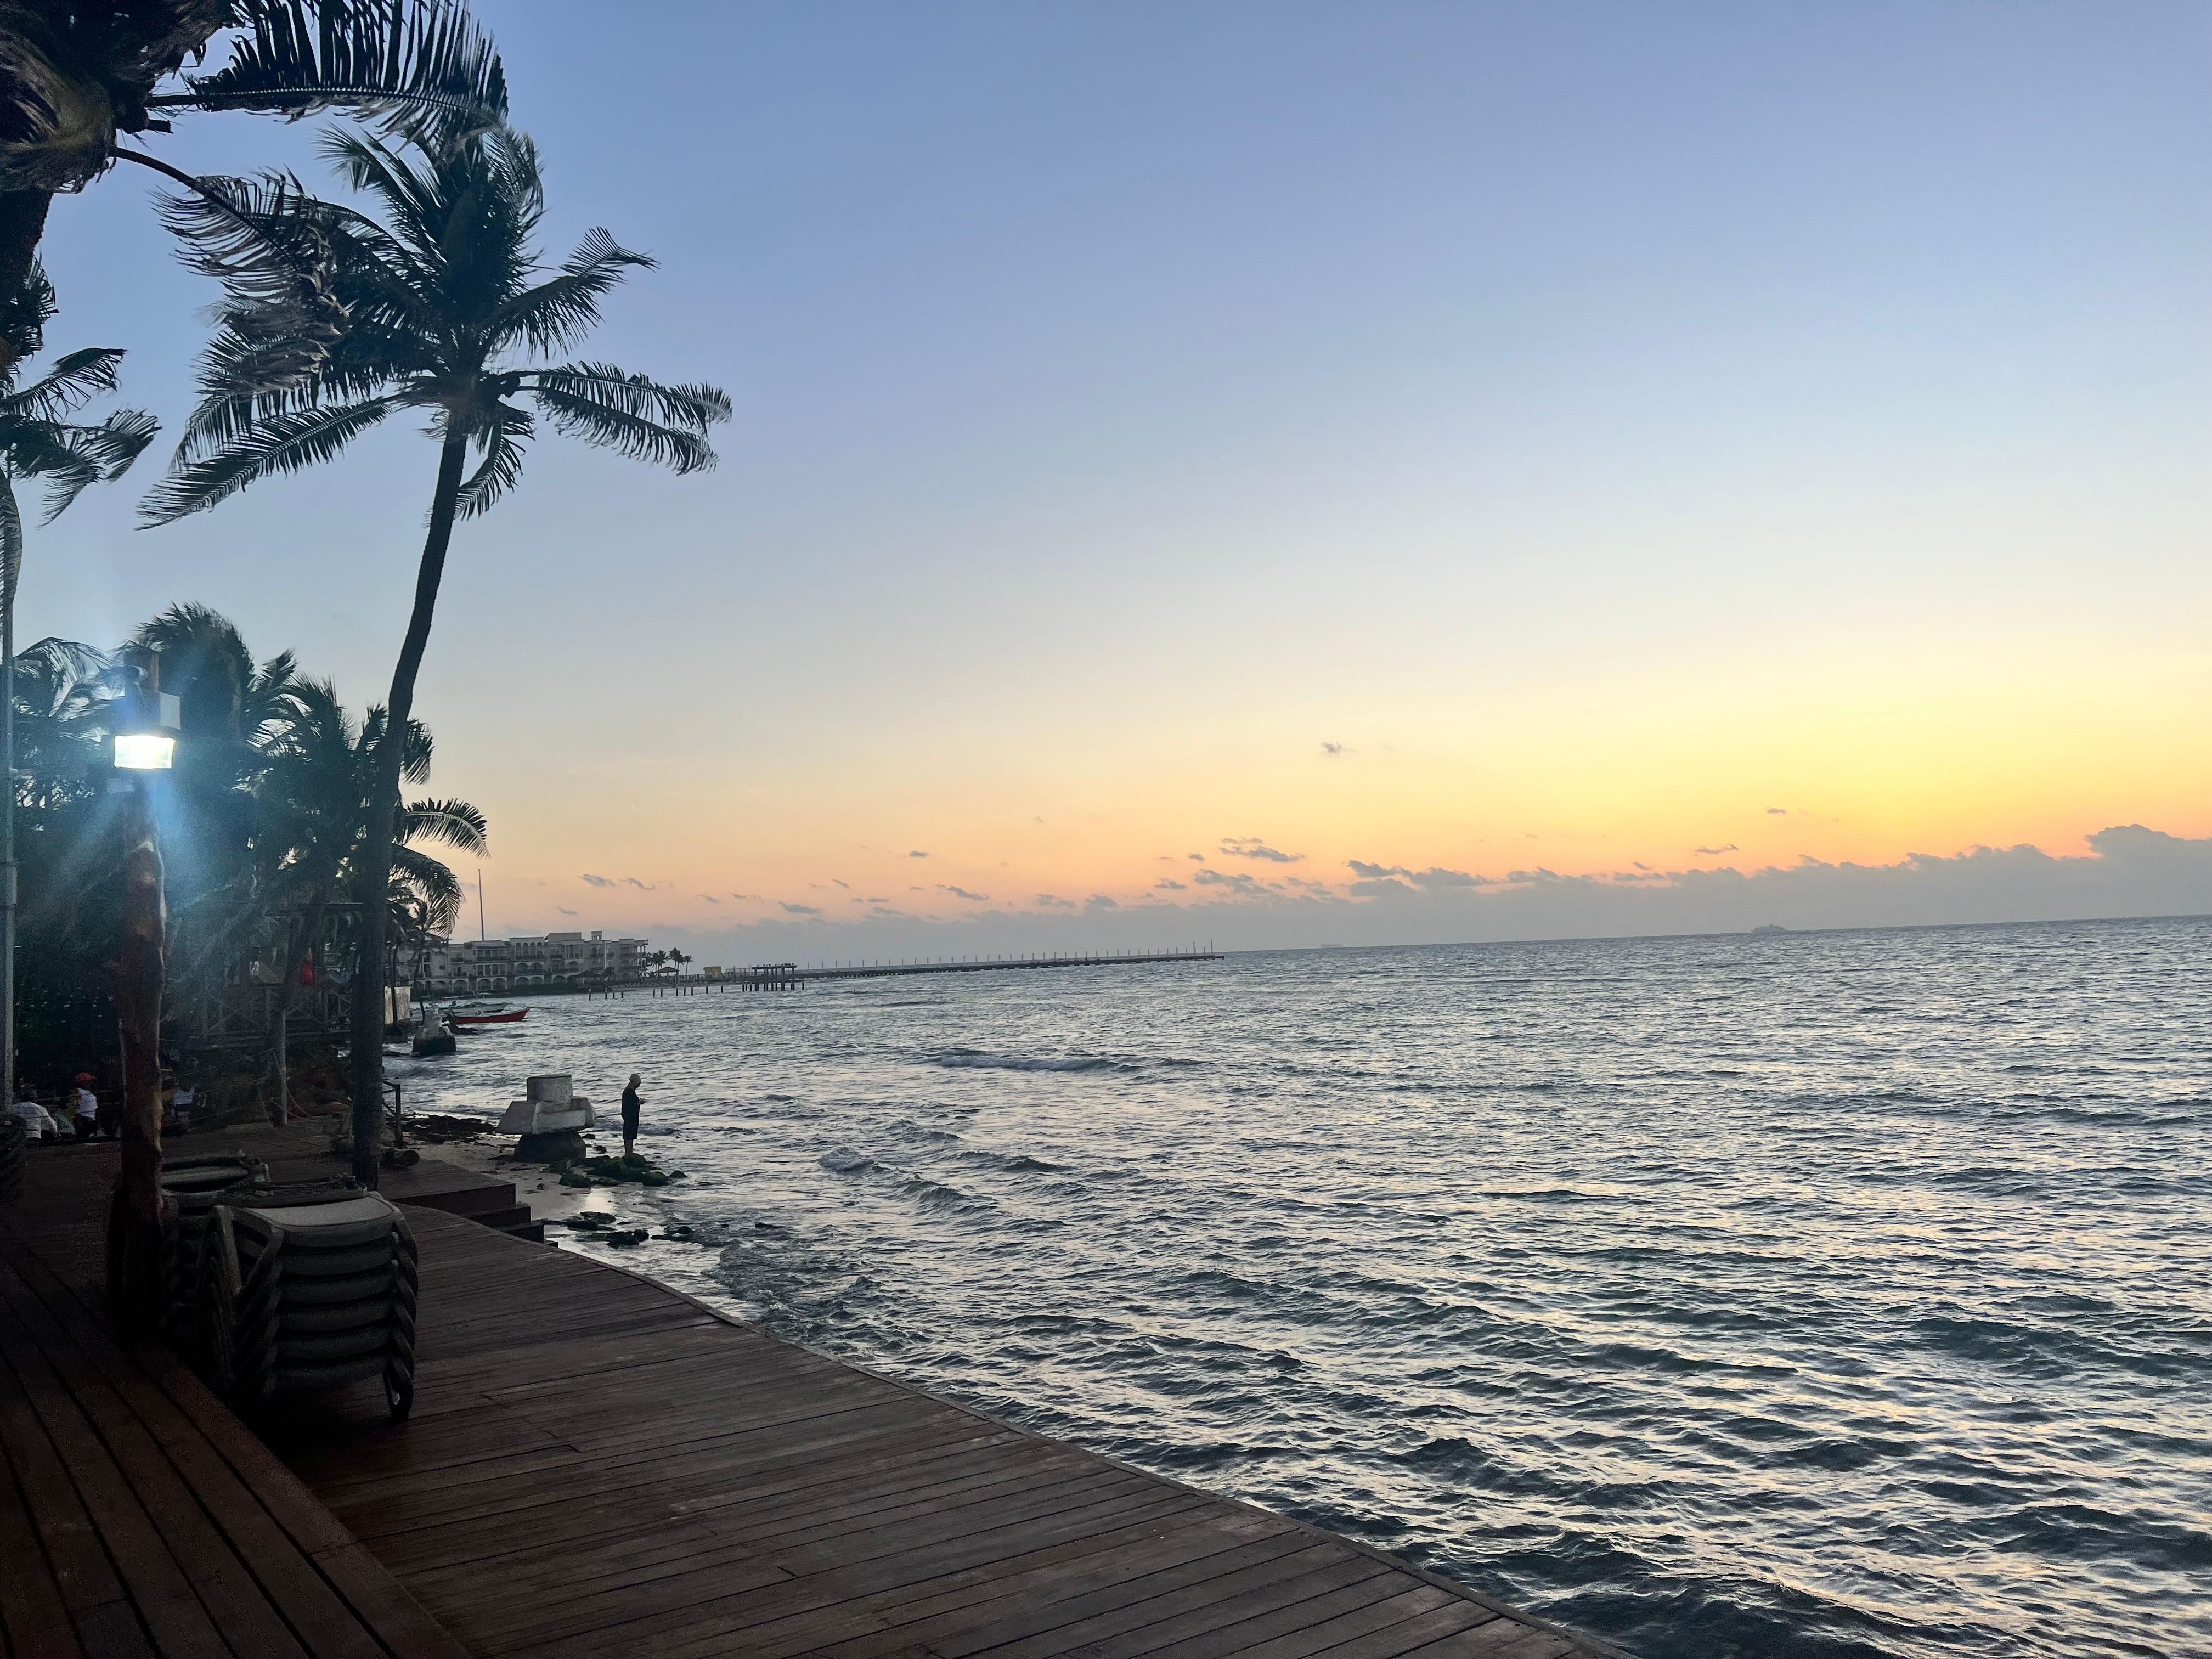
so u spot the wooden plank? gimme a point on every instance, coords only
(1104, 1623)
(1019, 1604)
(225, 1587)
(156, 1585)
(82, 1575)
(1373, 1605)
(33, 1614)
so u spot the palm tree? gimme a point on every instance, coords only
(40, 442)
(230, 707)
(77, 75)
(316, 816)
(452, 315)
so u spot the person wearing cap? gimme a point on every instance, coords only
(88, 1108)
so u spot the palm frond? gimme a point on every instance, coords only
(502, 442)
(107, 451)
(11, 542)
(421, 66)
(633, 415)
(563, 310)
(269, 243)
(24, 313)
(419, 880)
(285, 443)
(455, 824)
(73, 381)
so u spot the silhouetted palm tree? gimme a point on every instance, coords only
(448, 309)
(77, 75)
(42, 443)
(315, 798)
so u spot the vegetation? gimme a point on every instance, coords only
(42, 442)
(451, 315)
(290, 840)
(77, 77)
(264, 826)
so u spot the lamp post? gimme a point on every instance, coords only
(145, 743)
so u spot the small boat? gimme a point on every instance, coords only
(485, 1014)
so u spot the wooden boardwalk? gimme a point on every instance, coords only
(600, 1465)
(138, 1515)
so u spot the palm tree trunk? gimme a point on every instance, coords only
(288, 998)
(134, 1215)
(375, 874)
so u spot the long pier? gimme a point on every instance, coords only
(787, 976)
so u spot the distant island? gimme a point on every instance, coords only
(1769, 931)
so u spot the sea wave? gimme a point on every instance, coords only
(976, 1059)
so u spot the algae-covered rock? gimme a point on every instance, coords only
(613, 1171)
(574, 1178)
(628, 1236)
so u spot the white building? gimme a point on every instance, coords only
(500, 966)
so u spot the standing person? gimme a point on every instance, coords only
(88, 1108)
(631, 1107)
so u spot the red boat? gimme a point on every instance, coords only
(485, 1013)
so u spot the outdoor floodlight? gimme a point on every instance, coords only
(148, 743)
(144, 752)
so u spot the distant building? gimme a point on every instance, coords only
(500, 966)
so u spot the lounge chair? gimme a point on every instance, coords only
(193, 1186)
(300, 1297)
(14, 1135)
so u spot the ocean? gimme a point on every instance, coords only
(1832, 1294)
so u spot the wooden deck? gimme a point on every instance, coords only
(600, 1465)
(138, 1515)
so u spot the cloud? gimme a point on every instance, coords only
(1166, 885)
(1098, 901)
(962, 892)
(598, 881)
(1334, 750)
(1777, 811)
(1382, 887)
(1251, 847)
(1195, 858)
(564, 911)
(710, 898)
(1431, 879)
(1715, 852)
(751, 897)
(642, 886)
(847, 885)
(872, 901)
(917, 855)
(1237, 882)
(1054, 902)
(2123, 871)
(802, 910)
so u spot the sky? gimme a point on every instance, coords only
(1642, 468)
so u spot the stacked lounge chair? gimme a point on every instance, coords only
(193, 1186)
(301, 1296)
(14, 1137)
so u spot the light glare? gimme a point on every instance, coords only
(144, 752)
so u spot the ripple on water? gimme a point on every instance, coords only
(1836, 1296)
